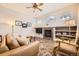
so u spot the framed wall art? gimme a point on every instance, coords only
(24, 25)
(18, 23)
(29, 24)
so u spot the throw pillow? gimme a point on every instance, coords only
(11, 42)
(23, 40)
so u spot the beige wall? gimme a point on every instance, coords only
(8, 16)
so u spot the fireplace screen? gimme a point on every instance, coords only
(47, 33)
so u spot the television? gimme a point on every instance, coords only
(39, 30)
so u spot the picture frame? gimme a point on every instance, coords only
(18, 23)
(0, 38)
(24, 25)
(29, 24)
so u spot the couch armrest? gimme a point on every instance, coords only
(29, 50)
(67, 43)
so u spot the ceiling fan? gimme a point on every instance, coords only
(36, 6)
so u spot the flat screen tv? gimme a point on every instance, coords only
(39, 30)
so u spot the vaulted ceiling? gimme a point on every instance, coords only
(14, 9)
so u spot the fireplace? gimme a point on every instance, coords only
(48, 33)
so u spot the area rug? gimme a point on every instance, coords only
(46, 47)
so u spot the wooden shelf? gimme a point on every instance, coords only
(65, 31)
(65, 35)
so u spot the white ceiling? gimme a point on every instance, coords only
(13, 9)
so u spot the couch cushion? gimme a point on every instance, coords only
(3, 46)
(11, 42)
(30, 50)
(22, 40)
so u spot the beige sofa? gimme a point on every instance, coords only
(30, 50)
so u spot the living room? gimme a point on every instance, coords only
(39, 29)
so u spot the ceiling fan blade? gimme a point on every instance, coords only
(39, 9)
(34, 4)
(40, 4)
(28, 7)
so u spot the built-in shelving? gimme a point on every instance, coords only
(66, 32)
